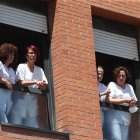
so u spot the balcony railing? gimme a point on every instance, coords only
(24, 106)
(135, 118)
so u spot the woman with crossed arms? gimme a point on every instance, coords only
(122, 93)
(25, 108)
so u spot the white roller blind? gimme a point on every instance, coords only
(23, 19)
(116, 45)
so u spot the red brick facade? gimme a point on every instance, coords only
(74, 71)
(74, 63)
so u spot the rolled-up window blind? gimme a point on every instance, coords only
(23, 19)
(115, 44)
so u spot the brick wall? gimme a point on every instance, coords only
(126, 11)
(74, 65)
(13, 132)
(73, 61)
(74, 72)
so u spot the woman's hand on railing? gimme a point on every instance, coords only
(41, 84)
(132, 102)
(7, 83)
(107, 92)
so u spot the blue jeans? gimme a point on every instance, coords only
(117, 125)
(119, 132)
(5, 104)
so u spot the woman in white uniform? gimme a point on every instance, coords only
(8, 53)
(25, 107)
(122, 93)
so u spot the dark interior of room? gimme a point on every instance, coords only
(21, 38)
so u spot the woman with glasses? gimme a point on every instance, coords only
(118, 120)
(8, 53)
(25, 108)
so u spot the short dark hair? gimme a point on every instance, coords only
(5, 50)
(35, 49)
(117, 70)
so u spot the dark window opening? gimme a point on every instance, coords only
(22, 38)
(110, 62)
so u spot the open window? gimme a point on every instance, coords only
(116, 45)
(24, 23)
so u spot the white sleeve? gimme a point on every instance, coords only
(1, 69)
(20, 72)
(43, 76)
(113, 89)
(132, 93)
(12, 75)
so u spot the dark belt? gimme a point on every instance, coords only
(114, 106)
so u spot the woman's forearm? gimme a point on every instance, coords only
(26, 83)
(118, 101)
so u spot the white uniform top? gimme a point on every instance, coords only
(102, 88)
(7, 73)
(117, 92)
(23, 73)
(27, 104)
(121, 93)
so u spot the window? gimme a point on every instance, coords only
(22, 37)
